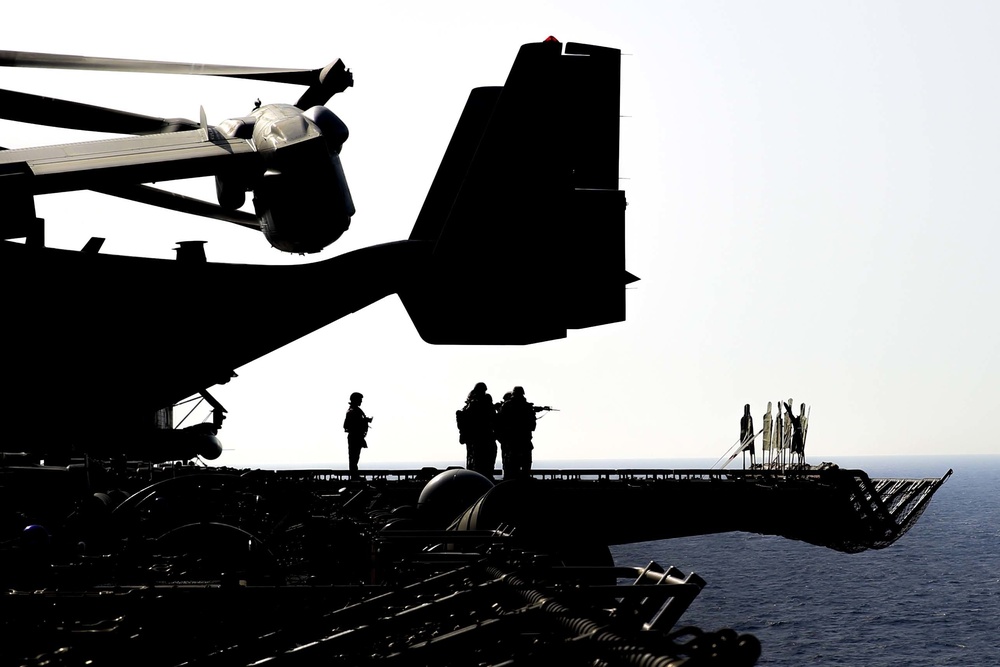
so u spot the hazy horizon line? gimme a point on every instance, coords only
(547, 463)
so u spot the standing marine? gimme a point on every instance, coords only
(356, 425)
(516, 423)
(476, 430)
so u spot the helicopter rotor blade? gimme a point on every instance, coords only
(53, 112)
(58, 61)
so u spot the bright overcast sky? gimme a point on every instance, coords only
(813, 211)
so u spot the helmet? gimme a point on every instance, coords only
(356, 396)
(518, 391)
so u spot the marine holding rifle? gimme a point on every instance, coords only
(515, 423)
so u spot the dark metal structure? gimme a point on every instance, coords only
(836, 508)
(301, 567)
(411, 566)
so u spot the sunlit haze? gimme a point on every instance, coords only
(812, 213)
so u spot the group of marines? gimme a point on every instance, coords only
(482, 423)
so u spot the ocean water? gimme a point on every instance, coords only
(932, 598)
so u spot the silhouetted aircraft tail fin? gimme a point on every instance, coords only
(525, 211)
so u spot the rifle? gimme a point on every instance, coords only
(543, 408)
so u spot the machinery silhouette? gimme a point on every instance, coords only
(288, 155)
(556, 221)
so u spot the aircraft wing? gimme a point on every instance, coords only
(113, 162)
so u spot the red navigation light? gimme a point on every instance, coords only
(550, 38)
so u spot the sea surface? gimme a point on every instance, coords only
(932, 598)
